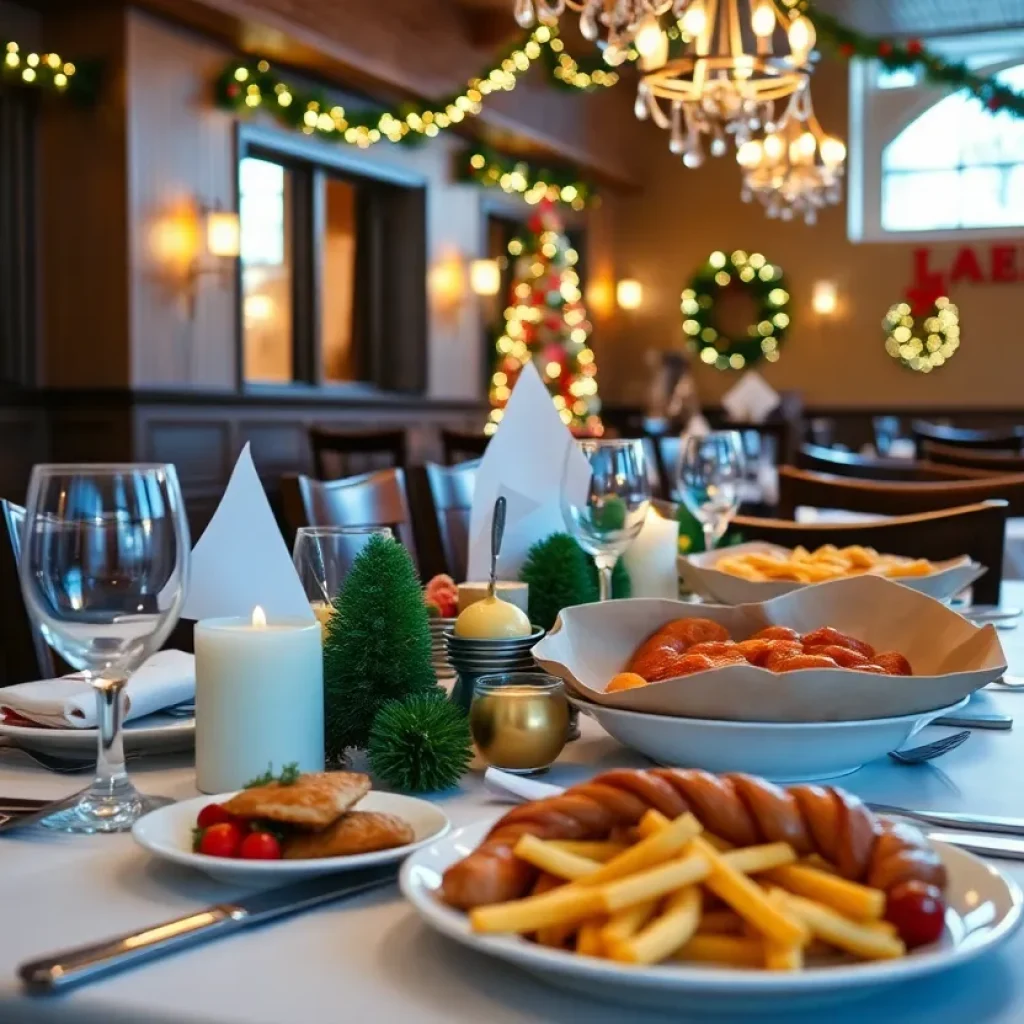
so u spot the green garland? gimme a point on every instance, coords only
(911, 53)
(764, 337)
(49, 72)
(490, 169)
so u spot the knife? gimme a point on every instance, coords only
(950, 819)
(999, 722)
(982, 846)
(87, 963)
(16, 817)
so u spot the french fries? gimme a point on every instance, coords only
(645, 903)
(825, 563)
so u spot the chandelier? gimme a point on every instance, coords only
(796, 169)
(727, 81)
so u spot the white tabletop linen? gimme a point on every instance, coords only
(370, 959)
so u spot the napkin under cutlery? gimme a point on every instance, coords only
(165, 679)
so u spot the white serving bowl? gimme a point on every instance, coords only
(779, 751)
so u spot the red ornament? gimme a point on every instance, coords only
(884, 48)
(535, 224)
(846, 49)
(914, 47)
(233, 90)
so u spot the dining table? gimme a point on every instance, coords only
(370, 958)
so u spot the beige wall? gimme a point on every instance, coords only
(663, 234)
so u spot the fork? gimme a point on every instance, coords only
(930, 751)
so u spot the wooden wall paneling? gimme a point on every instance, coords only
(24, 441)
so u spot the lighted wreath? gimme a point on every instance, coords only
(764, 337)
(940, 341)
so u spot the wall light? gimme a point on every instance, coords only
(824, 298)
(485, 277)
(629, 294)
(223, 234)
(446, 283)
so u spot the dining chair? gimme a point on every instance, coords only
(463, 446)
(819, 459)
(451, 494)
(989, 460)
(801, 488)
(1003, 439)
(339, 453)
(977, 530)
(377, 498)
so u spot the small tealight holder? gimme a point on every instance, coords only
(473, 657)
(519, 720)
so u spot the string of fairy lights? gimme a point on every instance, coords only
(41, 70)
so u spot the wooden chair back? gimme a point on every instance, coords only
(1003, 439)
(338, 453)
(976, 530)
(451, 494)
(818, 459)
(370, 499)
(799, 487)
(989, 460)
(463, 446)
(24, 654)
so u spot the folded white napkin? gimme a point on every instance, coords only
(165, 679)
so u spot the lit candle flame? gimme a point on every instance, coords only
(259, 617)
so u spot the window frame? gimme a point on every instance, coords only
(311, 162)
(877, 116)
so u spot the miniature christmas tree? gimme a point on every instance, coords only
(545, 321)
(420, 744)
(560, 574)
(377, 646)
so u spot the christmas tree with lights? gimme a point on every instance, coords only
(545, 321)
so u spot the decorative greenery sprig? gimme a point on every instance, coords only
(49, 72)
(486, 167)
(288, 776)
(420, 744)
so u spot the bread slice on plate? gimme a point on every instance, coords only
(356, 832)
(314, 800)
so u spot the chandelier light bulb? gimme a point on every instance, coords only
(694, 18)
(648, 37)
(750, 153)
(524, 13)
(833, 152)
(762, 20)
(801, 37)
(774, 147)
(806, 145)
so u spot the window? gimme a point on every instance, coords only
(333, 276)
(928, 164)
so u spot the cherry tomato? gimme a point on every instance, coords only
(260, 846)
(221, 840)
(918, 911)
(214, 814)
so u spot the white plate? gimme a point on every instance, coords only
(984, 911)
(154, 734)
(701, 576)
(780, 751)
(167, 833)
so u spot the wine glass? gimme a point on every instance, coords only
(711, 474)
(323, 556)
(104, 567)
(606, 513)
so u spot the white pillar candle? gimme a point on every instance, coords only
(651, 558)
(259, 699)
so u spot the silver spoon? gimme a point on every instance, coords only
(497, 533)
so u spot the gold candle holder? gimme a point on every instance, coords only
(519, 720)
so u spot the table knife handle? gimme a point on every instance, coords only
(85, 963)
(972, 721)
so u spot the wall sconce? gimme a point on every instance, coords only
(485, 277)
(223, 234)
(629, 293)
(446, 283)
(824, 298)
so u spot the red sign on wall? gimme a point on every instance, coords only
(1000, 263)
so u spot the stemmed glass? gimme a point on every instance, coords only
(323, 556)
(711, 473)
(104, 567)
(606, 514)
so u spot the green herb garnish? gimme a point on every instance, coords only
(289, 776)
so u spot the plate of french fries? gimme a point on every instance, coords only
(758, 571)
(675, 918)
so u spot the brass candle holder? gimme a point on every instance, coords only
(519, 720)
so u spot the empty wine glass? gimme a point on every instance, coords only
(323, 556)
(104, 567)
(606, 513)
(711, 473)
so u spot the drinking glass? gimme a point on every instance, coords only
(104, 568)
(711, 473)
(607, 514)
(323, 556)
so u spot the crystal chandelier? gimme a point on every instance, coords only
(796, 169)
(727, 81)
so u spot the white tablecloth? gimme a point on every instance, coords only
(369, 959)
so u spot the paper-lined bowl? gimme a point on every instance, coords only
(951, 657)
(700, 575)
